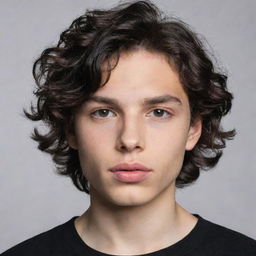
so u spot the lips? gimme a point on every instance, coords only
(130, 173)
(129, 167)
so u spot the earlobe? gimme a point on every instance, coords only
(70, 135)
(72, 142)
(194, 134)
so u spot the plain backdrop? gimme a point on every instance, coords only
(34, 199)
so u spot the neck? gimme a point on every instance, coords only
(109, 228)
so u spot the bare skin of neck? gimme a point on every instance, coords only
(133, 230)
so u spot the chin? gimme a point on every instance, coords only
(130, 197)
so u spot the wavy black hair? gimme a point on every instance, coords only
(68, 73)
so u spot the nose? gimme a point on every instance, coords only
(130, 136)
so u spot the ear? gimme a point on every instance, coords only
(71, 139)
(194, 133)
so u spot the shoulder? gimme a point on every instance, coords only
(46, 243)
(226, 241)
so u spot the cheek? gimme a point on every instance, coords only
(170, 138)
(169, 148)
(92, 137)
(94, 146)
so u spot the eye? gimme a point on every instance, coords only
(161, 113)
(101, 113)
(104, 113)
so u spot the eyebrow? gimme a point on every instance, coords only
(146, 101)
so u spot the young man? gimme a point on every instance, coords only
(133, 105)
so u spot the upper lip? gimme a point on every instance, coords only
(129, 166)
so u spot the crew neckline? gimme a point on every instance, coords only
(192, 240)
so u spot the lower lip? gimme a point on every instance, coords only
(130, 176)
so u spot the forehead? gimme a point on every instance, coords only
(140, 75)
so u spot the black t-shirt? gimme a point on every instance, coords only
(206, 239)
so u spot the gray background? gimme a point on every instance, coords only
(34, 199)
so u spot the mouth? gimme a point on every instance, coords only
(130, 173)
(129, 167)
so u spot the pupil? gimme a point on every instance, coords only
(159, 112)
(104, 112)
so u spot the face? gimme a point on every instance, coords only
(140, 116)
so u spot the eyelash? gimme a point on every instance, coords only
(93, 113)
